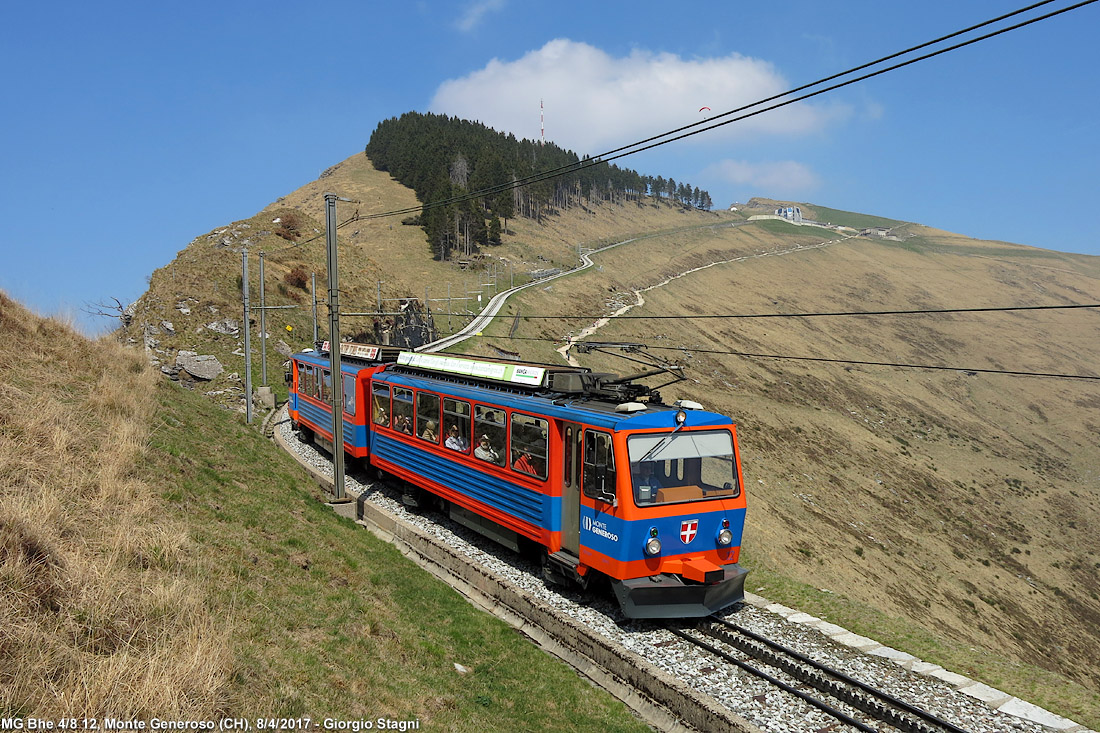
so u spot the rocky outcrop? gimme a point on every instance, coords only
(204, 367)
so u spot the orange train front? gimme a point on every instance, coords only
(671, 538)
(605, 479)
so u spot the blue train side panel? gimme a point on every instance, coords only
(509, 502)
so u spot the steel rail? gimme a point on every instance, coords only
(819, 704)
(869, 699)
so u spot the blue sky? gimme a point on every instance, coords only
(131, 128)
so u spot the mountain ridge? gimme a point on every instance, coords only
(959, 502)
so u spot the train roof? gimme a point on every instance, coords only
(598, 392)
(597, 411)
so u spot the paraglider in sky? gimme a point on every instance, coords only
(704, 108)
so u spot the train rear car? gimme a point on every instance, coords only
(311, 394)
(646, 494)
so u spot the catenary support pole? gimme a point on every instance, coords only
(313, 290)
(263, 326)
(247, 340)
(337, 391)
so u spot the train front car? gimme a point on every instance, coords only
(645, 494)
(663, 516)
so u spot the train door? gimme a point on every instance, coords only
(571, 488)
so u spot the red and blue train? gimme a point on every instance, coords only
(593, 471)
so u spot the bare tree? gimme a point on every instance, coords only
(122, 312)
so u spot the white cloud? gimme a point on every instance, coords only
(595, 101)
(475, 11)
(781, 178)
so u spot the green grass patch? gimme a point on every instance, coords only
(851, 219)
(328, 620)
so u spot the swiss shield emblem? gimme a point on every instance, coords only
(688, 528)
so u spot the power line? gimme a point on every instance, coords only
(923, 311)
(865, 76)
(886, 364)
(788, 357)
(649, 143)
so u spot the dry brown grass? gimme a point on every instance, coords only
(97, 614)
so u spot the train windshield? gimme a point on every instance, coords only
(682, 467)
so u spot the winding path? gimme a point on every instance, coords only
(640, 301)
(494, 305)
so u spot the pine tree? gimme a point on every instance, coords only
(494, 231)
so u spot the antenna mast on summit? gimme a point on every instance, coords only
(542, 125)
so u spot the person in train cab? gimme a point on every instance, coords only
(429, 432)
(404, 424)
(485, 451)
(644, 476)
(380, 416)
(523, 464)
(455, 441)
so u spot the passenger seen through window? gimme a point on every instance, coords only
(490, 430)
(456, 421)
(403, 410)
(529, 444)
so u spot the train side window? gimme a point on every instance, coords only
(326, 386)
(456, 423)
(427, 417)
(489, 432)
(599, 467)
(529, 445)
(380, 405)
(349, 394)
(306, 381)
(403, 410)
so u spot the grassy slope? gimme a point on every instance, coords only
(329, 620)
(160, 558)
(921, 500)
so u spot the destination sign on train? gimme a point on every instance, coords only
(513, 373)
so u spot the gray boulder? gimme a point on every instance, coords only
(199, 366)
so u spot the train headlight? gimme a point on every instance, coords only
(725, 537)
(653, 545)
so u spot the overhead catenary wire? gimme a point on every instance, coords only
(831, 314)
(855, 362)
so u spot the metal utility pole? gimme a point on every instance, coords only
(313, 290)
(334, 349)
(247, 341)
(263, 326)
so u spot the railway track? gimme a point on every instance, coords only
(805, 672)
